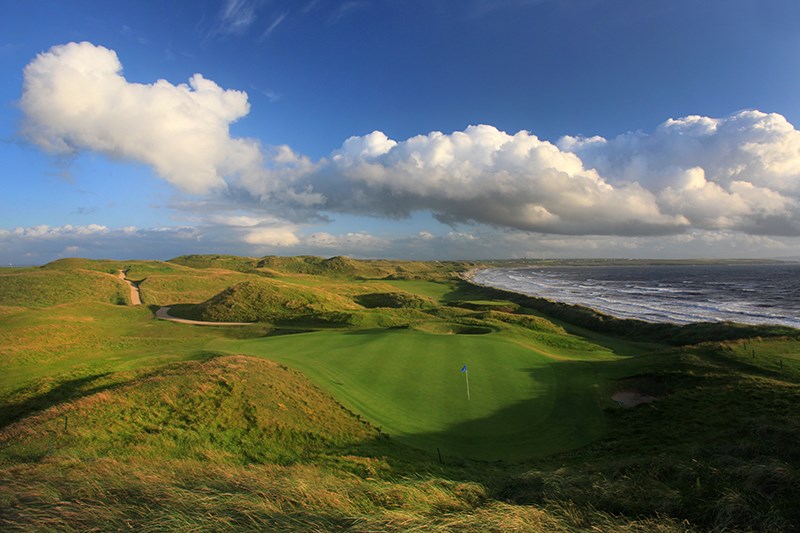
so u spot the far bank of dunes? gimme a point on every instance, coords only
(332, 267)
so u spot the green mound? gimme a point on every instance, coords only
(42, 288)
(78, 263)
(230, 262)
(335, 266)
(180, 284)
(394, 300)
(525, 321)
(231, 409)
(266, 301)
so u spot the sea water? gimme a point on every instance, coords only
(744, 293)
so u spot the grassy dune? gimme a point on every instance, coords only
(45, 288)
(330, 418)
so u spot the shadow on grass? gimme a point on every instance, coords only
(73, 389)
(65, 391)
(531, 428)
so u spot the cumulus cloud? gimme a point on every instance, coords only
(359, 242)
(739, 173)
(74, 98)
(272, 236)
(485, 175)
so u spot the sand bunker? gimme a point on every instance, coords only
(631, 398)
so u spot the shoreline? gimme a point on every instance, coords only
(664, 316)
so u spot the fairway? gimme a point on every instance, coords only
(522, 403)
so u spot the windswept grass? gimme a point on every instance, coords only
(242, 443)
(268, 301)
(114, 420)
(45, 288)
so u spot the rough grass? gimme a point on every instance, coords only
(45, 288)
(268, 301)
(242, 443)
(113, 420)
(333, 267)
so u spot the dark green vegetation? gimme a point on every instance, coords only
(327, 413)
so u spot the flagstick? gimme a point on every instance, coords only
(466, 376)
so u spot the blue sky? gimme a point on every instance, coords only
(382, 128)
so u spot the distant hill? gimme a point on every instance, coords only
(334, 267)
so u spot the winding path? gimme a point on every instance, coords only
(163, 314)
(135, 296)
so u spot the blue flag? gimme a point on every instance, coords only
(464, 368)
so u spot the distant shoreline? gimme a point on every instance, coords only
(654, 303)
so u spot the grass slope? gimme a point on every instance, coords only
(44, 288)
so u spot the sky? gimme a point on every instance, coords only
(411, 129)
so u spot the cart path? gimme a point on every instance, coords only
(163, 314)
(135, 296)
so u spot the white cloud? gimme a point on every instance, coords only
(54, 232)
(236, 16)
(75, 98)
(40, 244)
(272, 236)
(354, 241)
(485, 175)
(739, 173)
(274, 24)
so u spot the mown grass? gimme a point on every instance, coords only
(518, 393)
(114, 420)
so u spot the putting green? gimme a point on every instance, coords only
(522, 403)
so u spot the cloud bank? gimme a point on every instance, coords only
(739, 173)
(236, 235)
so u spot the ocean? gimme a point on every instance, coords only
(681, 294)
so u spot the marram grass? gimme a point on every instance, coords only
(114, 420)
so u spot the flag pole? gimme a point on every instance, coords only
(466, 376)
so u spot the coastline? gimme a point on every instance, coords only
(659, 303)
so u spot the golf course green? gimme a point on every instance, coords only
(522, 403)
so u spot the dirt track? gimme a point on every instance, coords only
(135, 297)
